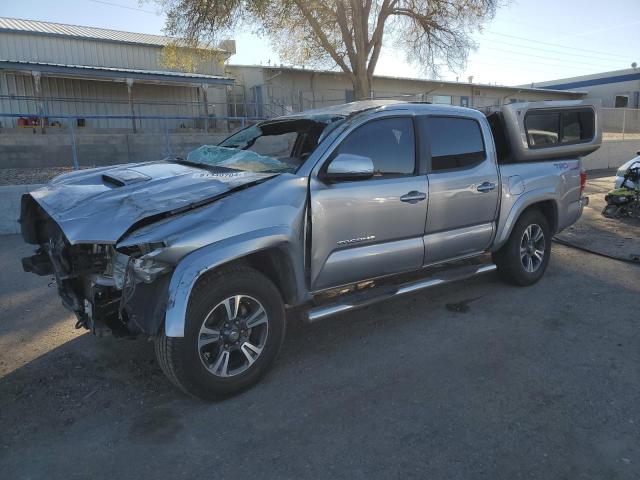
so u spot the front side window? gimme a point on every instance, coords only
(388, 142)
(456, 143)
(277, 146)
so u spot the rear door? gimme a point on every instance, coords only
(368, 228)
(463, 187)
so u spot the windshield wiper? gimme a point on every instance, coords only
(184, 161)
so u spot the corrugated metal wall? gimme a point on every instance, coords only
(76, 97)
(74, 51)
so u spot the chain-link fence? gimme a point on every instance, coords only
(48, 146)
(37, 142)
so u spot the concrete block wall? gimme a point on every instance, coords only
(611, 154)
(96, 149)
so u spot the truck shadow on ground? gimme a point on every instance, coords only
(114, 376)
(373, 355)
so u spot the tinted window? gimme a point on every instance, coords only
(455, 143)
(577, 126)
(547, 129)
(387, 142)
(543, 129)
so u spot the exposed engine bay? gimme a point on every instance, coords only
(107, 289)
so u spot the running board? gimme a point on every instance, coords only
(378, 294)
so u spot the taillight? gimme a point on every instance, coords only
(583, 181)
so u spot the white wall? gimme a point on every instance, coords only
(611, 154)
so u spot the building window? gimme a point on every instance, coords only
(441, 99)
(622, 101)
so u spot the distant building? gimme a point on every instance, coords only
(273, 90)
(49, 69)
(617, 89)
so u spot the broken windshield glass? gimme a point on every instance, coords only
(245, 160)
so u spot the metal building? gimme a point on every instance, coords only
(273, 90)
(616, 89)
(49, 69)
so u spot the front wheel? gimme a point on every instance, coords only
(234, 329)
(524, 258)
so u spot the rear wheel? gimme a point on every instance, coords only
(524, 258)
(234, 329)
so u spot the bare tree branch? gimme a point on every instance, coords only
(348, 34)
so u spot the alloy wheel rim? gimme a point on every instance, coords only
(233, 335)
(532, 246)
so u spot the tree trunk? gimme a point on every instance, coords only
(362, 86)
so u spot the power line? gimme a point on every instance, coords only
(558, 45)
(549, 50)
(524, 57)
(123, 6)
(576, 62)
(606, 29)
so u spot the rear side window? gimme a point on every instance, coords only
(388, 142)
(553, 128)
(456, 143)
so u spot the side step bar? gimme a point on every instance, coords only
(378, 294)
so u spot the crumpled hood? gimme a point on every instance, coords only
(100, 205)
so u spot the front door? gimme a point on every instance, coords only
(463, 188)
(368, 228)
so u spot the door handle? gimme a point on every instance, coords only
(413, 197)
(486, 187)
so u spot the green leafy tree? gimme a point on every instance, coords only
(344, 33)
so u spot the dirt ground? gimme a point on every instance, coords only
(538, 382)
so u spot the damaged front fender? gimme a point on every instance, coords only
(201, 261)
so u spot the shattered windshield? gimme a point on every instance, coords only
(214, 156)
(276, 146)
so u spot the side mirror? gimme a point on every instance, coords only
(348, 167)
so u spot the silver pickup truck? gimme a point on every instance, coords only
(323, 211)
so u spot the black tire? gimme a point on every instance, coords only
(181, 359)
(510, 263)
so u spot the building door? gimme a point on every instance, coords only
(349, 96)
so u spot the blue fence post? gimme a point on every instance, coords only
(242, 122)
(74, 150)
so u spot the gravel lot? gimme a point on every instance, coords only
(30, 176)
(539, 382)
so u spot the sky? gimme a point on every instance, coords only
(528, 40)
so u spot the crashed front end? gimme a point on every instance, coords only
(123, 291)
